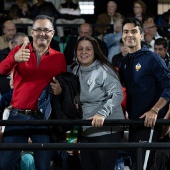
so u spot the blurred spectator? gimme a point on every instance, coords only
(9, 30)
(20, 13)
(150, 33)
(18, 39)
(112, 40)
(69, 14)
(43, 7)
(84, 30)
(149, 18)
(107, 18)
(20, 10)
(116, 60)
(139, 9)
(163, 24)
(4, 104)
(161, 48)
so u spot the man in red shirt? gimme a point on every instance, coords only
(34, 67)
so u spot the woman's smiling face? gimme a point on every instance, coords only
(85, 53)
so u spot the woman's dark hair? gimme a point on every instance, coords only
(134, 21)
(98, 54)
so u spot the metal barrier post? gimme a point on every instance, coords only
(139, 159)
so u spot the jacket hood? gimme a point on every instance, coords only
(141, 51)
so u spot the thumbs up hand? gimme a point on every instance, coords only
(22, 55)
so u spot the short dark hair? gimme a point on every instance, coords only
(134, 21)
(161, 41)
(43, 17)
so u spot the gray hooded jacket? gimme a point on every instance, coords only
(100, 92)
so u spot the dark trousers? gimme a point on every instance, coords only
(142, 134)
(162, 157)
(67, 161)
(100, 159)
(20, 134)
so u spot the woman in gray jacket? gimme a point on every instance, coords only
(100, 98)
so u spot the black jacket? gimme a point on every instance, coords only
(4, 79)
(60, 106)
(63, 106)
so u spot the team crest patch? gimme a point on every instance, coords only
(89, 82)
(138, 67)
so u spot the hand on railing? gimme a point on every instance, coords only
(150, 118)
(97, 120)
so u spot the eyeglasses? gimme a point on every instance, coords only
(137, 7)
(39, 31)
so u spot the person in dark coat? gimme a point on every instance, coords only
(116, 60)
(43, 7)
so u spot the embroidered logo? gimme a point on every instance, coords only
(89, 81)
(138, 67)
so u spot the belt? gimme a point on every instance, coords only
(28, 112)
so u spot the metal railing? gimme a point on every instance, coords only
(139, 147)
(70, 27)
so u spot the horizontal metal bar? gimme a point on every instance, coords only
(24, 25)
(77, 122)
(64, 25)
(83, 146)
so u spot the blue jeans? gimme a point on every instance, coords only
(119, 164)
(20, 134)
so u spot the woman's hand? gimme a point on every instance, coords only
(97, 120)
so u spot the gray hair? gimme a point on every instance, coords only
(18, 34)
(43, 17)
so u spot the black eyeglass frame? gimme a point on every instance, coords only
(39, 31)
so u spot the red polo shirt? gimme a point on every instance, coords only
(29, 78)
